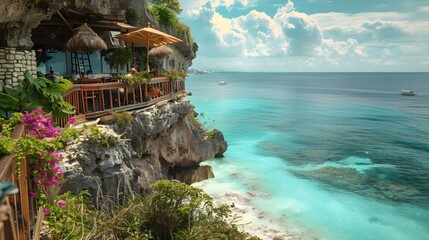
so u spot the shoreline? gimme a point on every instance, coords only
(254, 221)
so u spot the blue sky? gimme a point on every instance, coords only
(309, 35)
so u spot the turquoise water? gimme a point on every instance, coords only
(338, 155)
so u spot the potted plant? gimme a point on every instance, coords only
(153, 91)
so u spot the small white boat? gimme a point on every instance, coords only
(222, 83)
(408, 92)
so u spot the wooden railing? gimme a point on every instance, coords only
(18, 209)
(95, 100)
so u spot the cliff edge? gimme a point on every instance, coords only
(160, 142)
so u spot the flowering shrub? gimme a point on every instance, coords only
(44, 163)
(38, 125)
(45, 169)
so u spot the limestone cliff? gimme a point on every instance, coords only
(161, 139)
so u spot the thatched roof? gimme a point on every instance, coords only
(161, 51)
(85, 40)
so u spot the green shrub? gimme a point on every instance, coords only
(119, 58)
(100, 137)
(122, 118)
(173, 211)
(164, 15)
(35, 92)
(131, 16)
(179, 211)
(71, 217)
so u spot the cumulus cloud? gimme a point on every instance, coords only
(256, 34)
(297, 38)
(384, 30)
(302, 32)
(341, 48)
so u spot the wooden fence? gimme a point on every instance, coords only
(18, 209)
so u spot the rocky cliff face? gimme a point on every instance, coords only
(19, 17)
(162, 140)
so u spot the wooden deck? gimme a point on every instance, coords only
(96, 100)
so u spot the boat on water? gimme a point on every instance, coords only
(408, 92)
(222, 83)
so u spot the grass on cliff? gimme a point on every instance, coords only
(173, 211)
(200, 122)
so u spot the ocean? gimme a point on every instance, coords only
(323, 155)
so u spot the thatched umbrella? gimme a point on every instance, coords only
(161, 51)
(85, 40)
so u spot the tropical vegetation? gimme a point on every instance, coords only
(173, 211)
(119, 58)
(167, 13)
(36, 92)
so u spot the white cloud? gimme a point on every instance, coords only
(341, 48)
(194, 7)
(387, 52)
(298, 39)
(423, 9)
(301, 31)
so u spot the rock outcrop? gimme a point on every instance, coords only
(160, 139)
(19, 17)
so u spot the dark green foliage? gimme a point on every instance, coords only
(180, 211)
(7, 144)
(166, 13)
(173, 5)
(119, 58)
(35, 92)
(131, 16)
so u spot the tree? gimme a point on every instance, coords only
(119, 57)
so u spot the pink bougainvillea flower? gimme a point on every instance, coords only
(61, 203)
(46, 211)
(72, 120)
(32, 194)
(1, 136)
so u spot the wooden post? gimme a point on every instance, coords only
(24, 229)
